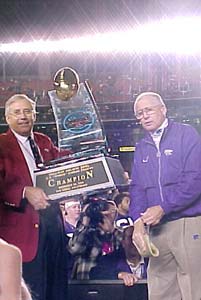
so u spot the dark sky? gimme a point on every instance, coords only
(28, 19)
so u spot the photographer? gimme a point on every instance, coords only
(96, 226)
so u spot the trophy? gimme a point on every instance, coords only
(78, 123)
(90, 170)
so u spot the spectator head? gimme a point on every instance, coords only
(122, 201)
(127, 244)
(72, 208)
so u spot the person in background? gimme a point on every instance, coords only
(71, 210)
(27, 219)
(122, 201)
(12, 285)
(132, 263)
(126, 263)
(95, 227)
(71, 215)
(166, 197)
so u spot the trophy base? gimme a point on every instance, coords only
(82, 176)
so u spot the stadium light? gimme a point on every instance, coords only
(177, 36)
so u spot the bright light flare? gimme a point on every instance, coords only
(177, 36)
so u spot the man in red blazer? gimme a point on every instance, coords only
(27, 219)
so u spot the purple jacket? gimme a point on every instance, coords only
(170, 177)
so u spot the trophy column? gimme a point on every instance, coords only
(79, 130)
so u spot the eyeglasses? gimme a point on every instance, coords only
(17, 112)
(148, 110)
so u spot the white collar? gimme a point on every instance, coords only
(141, 262)
(21, 138)
(159, 131)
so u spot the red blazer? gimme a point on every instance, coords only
(19, 222)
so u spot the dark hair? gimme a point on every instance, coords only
(94, 211)
(119, 197)
(128, 228)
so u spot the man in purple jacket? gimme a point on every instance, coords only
(166, 196)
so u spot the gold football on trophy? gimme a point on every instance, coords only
(66, 83)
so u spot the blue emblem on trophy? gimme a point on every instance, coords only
(79, 128)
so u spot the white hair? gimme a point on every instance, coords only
(149, 94)
(18, 97)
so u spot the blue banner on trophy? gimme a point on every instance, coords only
(78, 124)
(80, 130)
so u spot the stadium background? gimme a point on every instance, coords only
(115, 78)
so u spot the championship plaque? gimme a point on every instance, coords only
(79, 130)
(80, 176)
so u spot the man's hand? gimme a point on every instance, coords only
(152, 215)
(128, 278)
(36, 197)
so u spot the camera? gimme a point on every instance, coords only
(95, 209)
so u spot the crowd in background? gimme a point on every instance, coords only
(114, 86)
(99, 234)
